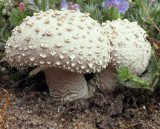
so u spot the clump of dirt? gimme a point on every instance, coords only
(32, 107)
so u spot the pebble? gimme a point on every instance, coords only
(19, 102)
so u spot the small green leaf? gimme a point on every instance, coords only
(122, 73)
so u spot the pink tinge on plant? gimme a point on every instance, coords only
(21, 6)
(69, 5)
(112, 3)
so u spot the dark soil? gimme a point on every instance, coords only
(31, 107)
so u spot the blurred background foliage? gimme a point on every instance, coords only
(11, 16)
(137, 13)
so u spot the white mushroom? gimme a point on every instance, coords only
(55, 46)
(129, 48)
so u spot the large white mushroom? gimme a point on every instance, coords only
(64, 44)
(129, 48)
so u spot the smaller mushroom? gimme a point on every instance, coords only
(129, 48)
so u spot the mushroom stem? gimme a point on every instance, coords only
(66, 85)
(105, 79)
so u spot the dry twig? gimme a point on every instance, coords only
(4, 100)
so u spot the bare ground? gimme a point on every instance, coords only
(31, 107)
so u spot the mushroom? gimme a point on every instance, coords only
(129, 48)
(65, 45)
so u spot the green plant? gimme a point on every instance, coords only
(148, 80)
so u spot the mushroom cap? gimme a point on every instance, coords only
(66, 39)
(129, 45)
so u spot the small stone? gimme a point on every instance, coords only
(19, 102)
(63, 120)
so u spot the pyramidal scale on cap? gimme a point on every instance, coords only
(64, 44)
(129, 48)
